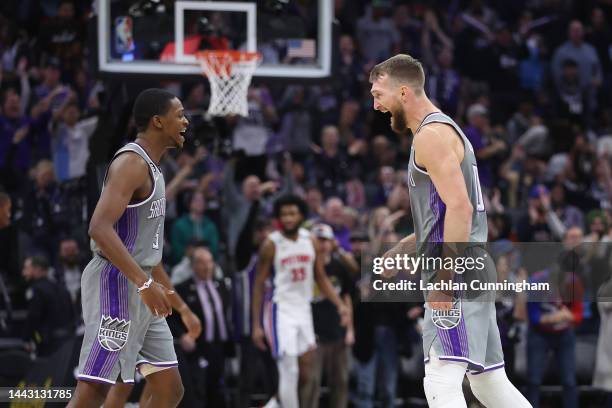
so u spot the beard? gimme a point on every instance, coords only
(398, 121)
(291, 231)
(71, 261)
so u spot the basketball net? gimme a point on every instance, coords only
(229, 74)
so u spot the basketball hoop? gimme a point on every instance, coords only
(229, 74)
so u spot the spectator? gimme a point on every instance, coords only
(9, 243)
(532, 68)
(246, 204)
(443, 84)
(43, 212)
(333, 340)
(51, 85)
(331, 164)
(540, 223)
(71, 140)
(50, 320)
(333, 215)
(579, 171)
(182, 271)
(570, 216)
(601, 186)
(572, 99)
(69, 269)
(486, 150)
(314, 199)
(521, 120)
(296, 121)
(552, 323)
(381, 188)
(376, 33)
(600, 36)
(18, 136)
(350, 69)
(252, 134)
(506, 54)
(584, 56)
(194, 225)
(62, 35)
(209, 300)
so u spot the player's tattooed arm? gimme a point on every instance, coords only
(264, 265)
(190, 320)
(326, 287)
(127, 179)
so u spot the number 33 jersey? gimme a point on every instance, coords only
(293, 274)
(141, 226)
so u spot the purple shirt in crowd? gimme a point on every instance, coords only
(484, 166)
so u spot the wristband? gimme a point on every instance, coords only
(145, 285)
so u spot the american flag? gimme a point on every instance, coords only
(301, 48)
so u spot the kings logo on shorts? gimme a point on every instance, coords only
(447, 319)
(113, 333)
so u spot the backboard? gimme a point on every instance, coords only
(161, 37)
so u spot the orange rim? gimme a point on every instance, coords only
(233, 54)
(225, 63)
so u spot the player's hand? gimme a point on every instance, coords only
(439, 300)
(191, 322)
(187, 343)
(156, 299)
(259, 337)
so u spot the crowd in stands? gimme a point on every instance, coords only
(529, 81)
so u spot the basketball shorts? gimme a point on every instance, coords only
(121, 333)
(288, 329)
(468, 332)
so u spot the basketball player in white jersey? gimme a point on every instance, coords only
(447, 207)
(292, 257)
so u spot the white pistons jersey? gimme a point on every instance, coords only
(293, 277)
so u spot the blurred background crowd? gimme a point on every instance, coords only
(530, 82)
